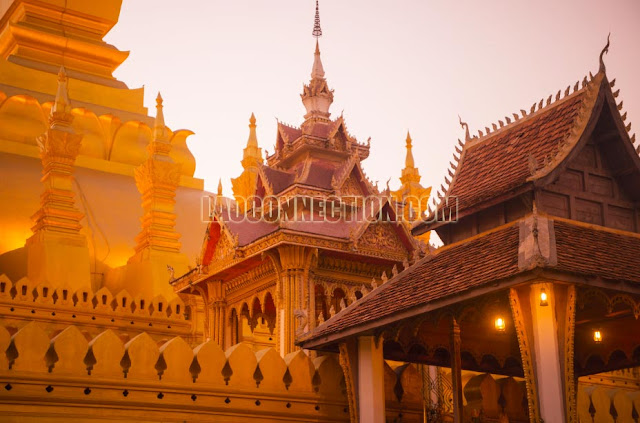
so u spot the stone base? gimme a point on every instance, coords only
(60, 259)
(146, 273)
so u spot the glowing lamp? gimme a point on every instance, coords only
(500, 324)
(597, 336)
(543, 298)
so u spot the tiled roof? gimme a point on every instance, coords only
(448, 271)
(278, 179)
(582, 249)
(597, 251)
(291, 132)
(499, 163)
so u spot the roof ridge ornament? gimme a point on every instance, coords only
(464, 125)
(604, 50)
(317, 30)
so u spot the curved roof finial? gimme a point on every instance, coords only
(467, 137)
(317, 31)
(604, 50)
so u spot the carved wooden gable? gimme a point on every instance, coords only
(591, 188)
(383, 237)
(351, 186)
(224, 248)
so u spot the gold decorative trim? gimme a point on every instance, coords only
(569, 381)
(345, 363)
(525, 353)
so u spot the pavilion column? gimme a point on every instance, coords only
(217, 310)
(546, 336)
(293, 308)
(456, 371)
(370, 380)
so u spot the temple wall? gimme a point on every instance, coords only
(68, 376)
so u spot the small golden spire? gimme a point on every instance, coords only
(409, 162)
(159, 128)
(252, 154)
(220, 187)
(61, 109)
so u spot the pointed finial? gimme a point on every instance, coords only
(409, 162)
(61, 110)
(317, 31)
(604, 50)
(220, 187)
(159, 128)
(464, 125)
(252, 154)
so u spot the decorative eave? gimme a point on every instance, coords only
(273, 240)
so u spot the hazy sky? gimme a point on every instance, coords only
(394, 65)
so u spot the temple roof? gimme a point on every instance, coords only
(487, 262)
(515, 157)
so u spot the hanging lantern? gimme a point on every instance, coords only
(543, 298)
(597, 336)
(500, 324)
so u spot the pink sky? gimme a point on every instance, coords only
(394, 65)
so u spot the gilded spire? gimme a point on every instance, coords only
(220, 187)
(410, 173)
(159, 128)
(61, 109)
(408, 162)
(252, 154)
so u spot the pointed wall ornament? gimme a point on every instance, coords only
(495, 127)
(533, 108)
(487, 130)
(567, 91)
(465, 126)
(320, 318)
(624, 117)
(220, 187)
(616, 93)
(523, 112)
(394, 271)
(501, 123)
(584, 82)
(612, 83)
(604, 50)
(374, 284)
(541, 103)
(343, 304)
(332, 312)
(620, 105)
(575, 87)
(516, 116)
(628, 127)
(480, 133)
(549, 99)
(633, 139)
(508, 119)
(384, 277)
(405, 263)
(558, 95)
